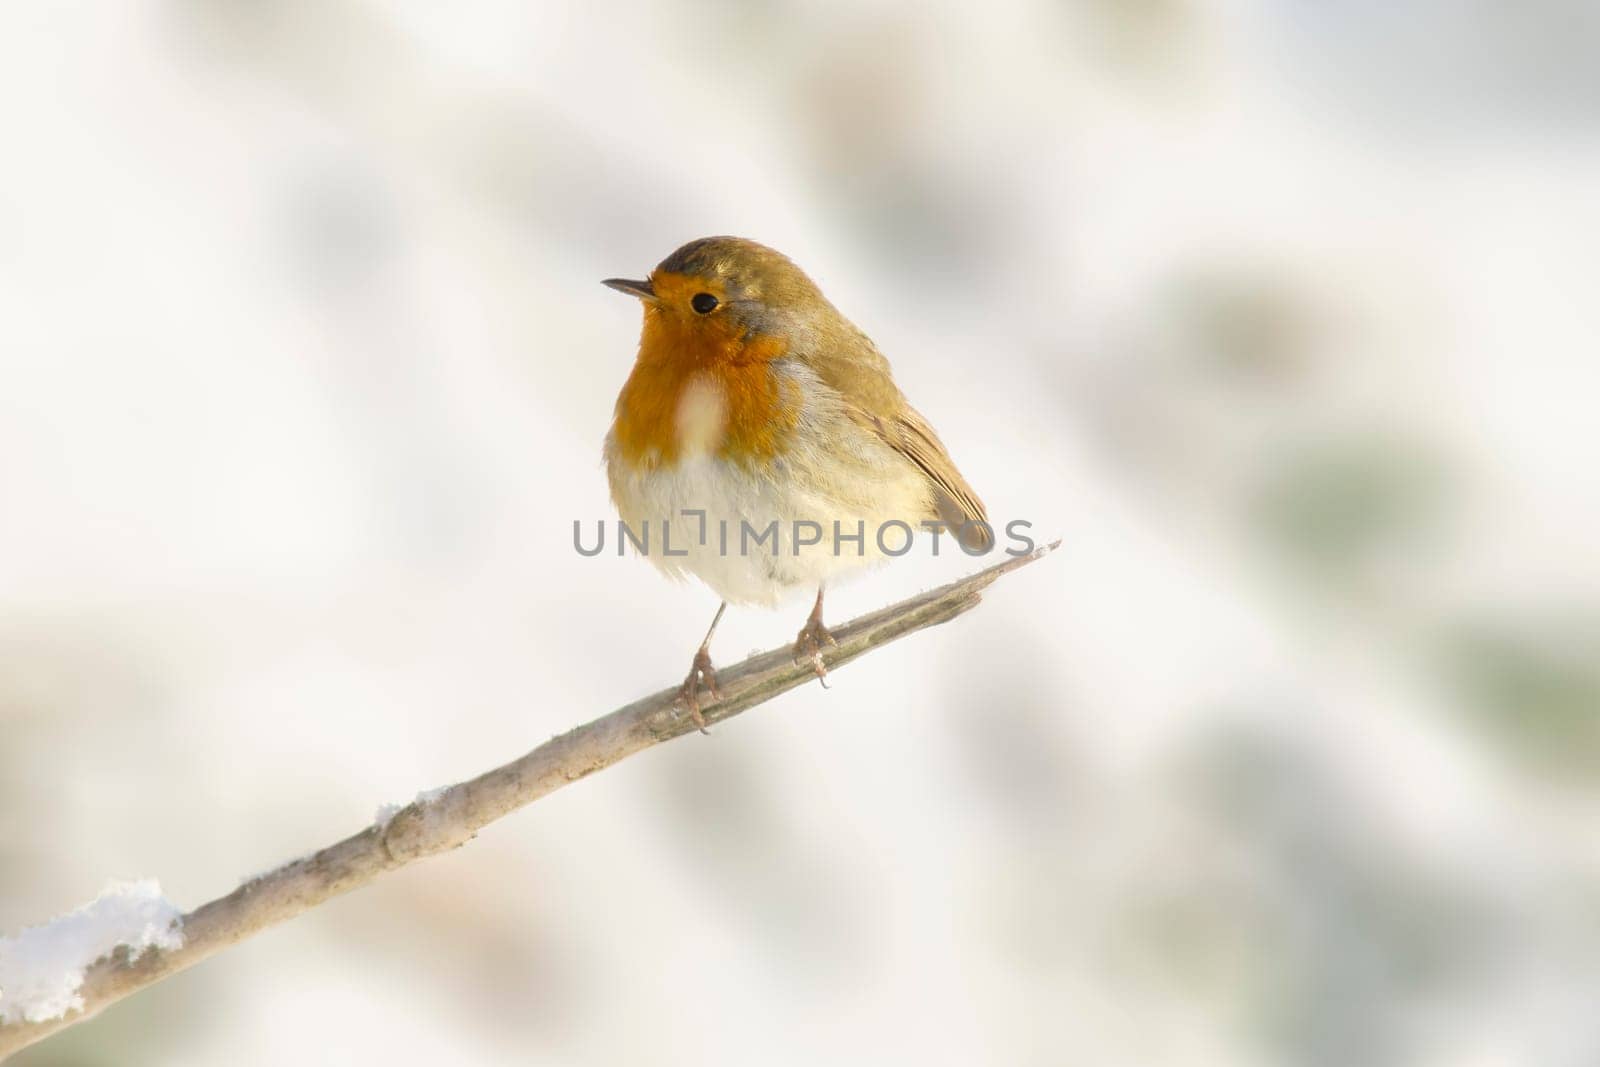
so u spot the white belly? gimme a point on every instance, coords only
(751, 548)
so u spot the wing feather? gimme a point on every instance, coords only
(850, 363)
(959, 507)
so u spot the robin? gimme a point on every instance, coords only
(762, 436)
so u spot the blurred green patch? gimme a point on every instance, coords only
(1534, 689)
(1333, 508)
(1147, 38)
(1306, 918)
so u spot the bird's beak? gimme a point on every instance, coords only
(643, 290)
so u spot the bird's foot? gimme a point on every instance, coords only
(810, 642)
(701, 673)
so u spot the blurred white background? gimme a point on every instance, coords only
(1280, 313)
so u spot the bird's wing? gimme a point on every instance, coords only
(959, 507)
(867, 388)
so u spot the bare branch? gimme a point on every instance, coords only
(450, 817)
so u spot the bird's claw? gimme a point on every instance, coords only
(702, 672)
(808, 645)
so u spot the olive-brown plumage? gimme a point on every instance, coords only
(754, 400)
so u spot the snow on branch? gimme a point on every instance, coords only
(42, 968)
(59, 974)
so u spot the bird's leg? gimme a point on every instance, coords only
(813, 636)
(702, 671)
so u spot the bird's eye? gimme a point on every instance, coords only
(703, 303)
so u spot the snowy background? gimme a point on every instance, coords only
(1281, 314)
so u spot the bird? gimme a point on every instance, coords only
(752, 403)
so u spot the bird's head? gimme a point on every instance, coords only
(718, 297)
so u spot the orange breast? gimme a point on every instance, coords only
(757, 408)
